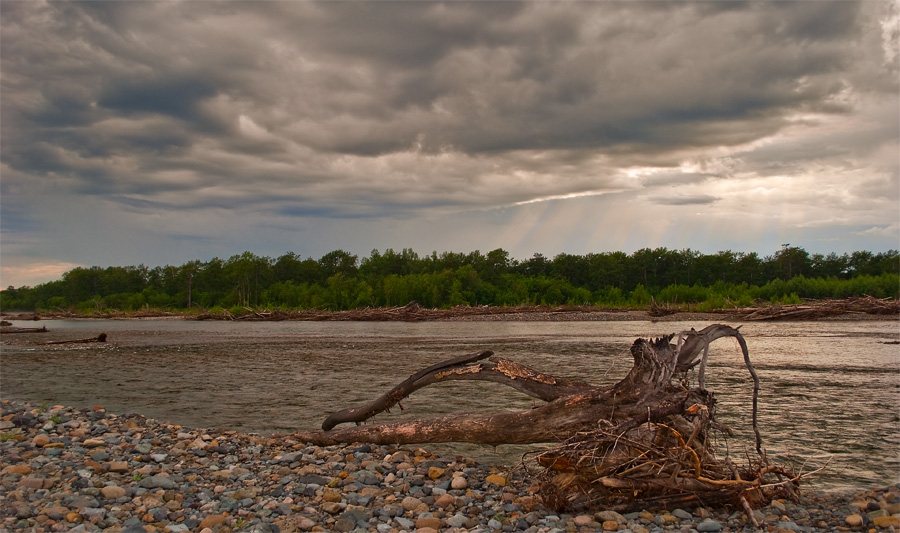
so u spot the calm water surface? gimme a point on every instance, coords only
(829, 389)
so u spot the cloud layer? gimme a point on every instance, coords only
(161, 132)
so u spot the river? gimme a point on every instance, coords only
(830, 389)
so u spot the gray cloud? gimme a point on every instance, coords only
(697, 199)
(398, 110)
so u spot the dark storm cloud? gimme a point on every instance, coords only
(472, 77)
(174, 96)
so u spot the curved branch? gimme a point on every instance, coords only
(497, 369)
(520, 377)
(755, 377)
(691, 343)
(393, 397)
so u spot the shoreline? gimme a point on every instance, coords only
(86, 469)
(850, 309)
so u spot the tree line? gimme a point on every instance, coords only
(340, 280)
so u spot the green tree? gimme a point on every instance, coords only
(792, 261)
(338, 262)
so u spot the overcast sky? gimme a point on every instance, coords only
(162, 132)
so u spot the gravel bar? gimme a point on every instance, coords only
(69, 469)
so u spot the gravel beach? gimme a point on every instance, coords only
(67, 469)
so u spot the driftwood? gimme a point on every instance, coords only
(646, 439)
(822, 309)
(12, 329)
(99, 338)
(411, 312)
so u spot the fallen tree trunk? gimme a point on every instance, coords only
(99, 338)
(645, 437)
(13, 329)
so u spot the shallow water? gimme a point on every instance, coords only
(829, 389)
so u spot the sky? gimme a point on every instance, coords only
(159, 133)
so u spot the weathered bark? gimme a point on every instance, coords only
(573, 406)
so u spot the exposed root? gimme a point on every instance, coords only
(666, 463)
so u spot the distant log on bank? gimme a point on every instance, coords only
(12, 329)
(99, 338)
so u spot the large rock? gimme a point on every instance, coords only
(112, 492)
(885, 522)
(157, 482)
(606, 516)
(212, 521)
(429, 521)
(410, 503)
(497, 479)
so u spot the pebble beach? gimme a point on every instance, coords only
(70, 469)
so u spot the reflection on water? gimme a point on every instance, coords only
(829, 389)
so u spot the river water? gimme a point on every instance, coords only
(830, 390)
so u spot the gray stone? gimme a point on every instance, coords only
(100, 456)
(157, 482)
(313, 479)
(78, 501)
(344, 525)
(228, 504)
(289, 458)
(404, 522)
(493, 523)
(144, 447)
(392, 510)
(457, 520)
(709, 525)
(93, 512)
(682, 514)
(367, 478)
(355, 515)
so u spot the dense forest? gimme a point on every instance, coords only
(340, 280)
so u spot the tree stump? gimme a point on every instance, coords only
(642, 443)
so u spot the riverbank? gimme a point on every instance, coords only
(90, 470)
(867, 308)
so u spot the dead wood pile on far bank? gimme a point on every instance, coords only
(411, 312)
(821, 309)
